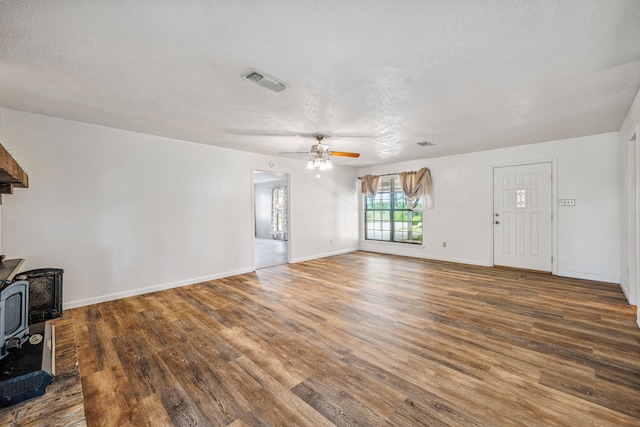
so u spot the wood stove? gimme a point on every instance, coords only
(45, 293)
(14, 329)
(27, 341)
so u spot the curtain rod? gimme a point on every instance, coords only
(384, 174)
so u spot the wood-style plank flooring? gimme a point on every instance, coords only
(270, 252)
(364, 339)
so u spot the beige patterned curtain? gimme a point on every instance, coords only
(415, 185)
(369, 184)
(280, 213)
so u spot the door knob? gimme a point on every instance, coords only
(497, 222)
(497, 214)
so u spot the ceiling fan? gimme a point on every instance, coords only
(321, 155)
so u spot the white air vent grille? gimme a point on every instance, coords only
(254, 77)
(265, 80)
(279, 87)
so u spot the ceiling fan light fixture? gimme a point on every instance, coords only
(320, 155)
(320, 160)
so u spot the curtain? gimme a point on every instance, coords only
(285, 213)
(279, 213)
(369, 185)
(415, 185)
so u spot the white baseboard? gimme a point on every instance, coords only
(149, 289)
(588, 276)
(626, 294)
(401, 249)
(414, 254)
(459, 261)
(340, 252)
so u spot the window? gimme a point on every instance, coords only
(387, 216)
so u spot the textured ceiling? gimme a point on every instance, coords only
(380, 76)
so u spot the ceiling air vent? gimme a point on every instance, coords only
(254, 77)
(265, 80)
(426, 144)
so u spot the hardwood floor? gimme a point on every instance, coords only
(270, 252)
(364, 339)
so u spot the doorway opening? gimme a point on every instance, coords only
(271, 218)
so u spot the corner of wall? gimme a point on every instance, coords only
(628, 128)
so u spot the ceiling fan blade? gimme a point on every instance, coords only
(344, 154)
(289, 133)
(262, 132)
(334, 135)
(294, 152)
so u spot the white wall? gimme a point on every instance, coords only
(126, 213)
(588, 238)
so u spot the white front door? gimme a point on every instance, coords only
(522, 216)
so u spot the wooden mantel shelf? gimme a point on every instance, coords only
(11, 174)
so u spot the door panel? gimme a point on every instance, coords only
(522, 216)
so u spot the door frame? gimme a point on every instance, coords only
(633, 222)
(287, 176)
(554, 206)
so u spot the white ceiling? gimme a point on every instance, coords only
(380, 76)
